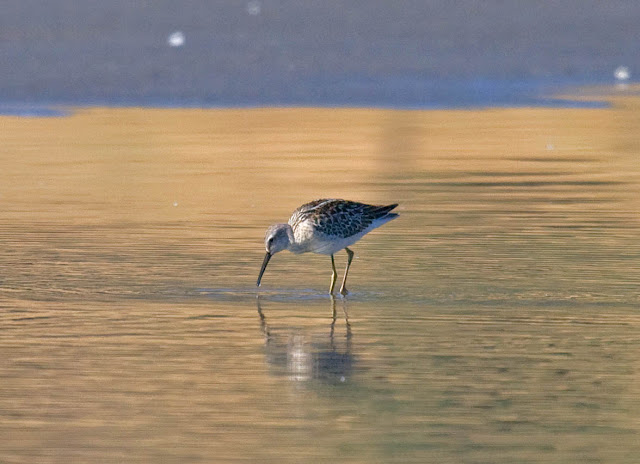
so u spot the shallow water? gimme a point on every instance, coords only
(496, 320)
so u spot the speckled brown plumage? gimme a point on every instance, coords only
(340, 218)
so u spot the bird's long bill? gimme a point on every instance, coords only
(267, 257)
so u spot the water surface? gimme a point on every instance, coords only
(496, 320)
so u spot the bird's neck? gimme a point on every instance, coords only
(294, 246)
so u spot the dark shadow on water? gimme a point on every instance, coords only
(302, 357)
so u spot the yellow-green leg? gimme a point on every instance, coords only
(334, 275)
(343, 288)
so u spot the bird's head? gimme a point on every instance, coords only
(275, 239)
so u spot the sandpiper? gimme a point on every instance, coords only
(325, 226)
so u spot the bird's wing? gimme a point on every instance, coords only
(339, 218)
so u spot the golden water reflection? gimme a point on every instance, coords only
(494, 321)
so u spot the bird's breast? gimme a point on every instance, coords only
(309, 239)
(304, 235)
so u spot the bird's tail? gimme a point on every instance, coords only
(384, 211)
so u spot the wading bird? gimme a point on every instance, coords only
(325, 227)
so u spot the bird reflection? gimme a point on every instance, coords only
(303, 358)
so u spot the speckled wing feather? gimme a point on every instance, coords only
(339, 218)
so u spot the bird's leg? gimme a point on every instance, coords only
(334, 275)
(343, 289)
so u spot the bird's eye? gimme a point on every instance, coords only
(270, 241)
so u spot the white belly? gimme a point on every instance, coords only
(308, 239)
